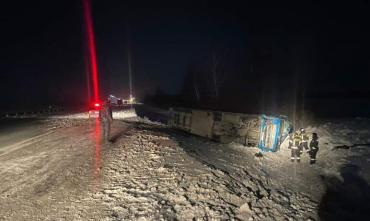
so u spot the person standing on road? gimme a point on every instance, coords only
(290, 139)
(106, 118)
(303, 141)
(314, 148)
(294, 143)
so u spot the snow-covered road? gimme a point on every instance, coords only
(150, 172)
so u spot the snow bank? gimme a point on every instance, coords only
(123, 114)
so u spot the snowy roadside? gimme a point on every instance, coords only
(117, 114)
(172, 175)
(157, 174)
(151, 172)
(345, 142)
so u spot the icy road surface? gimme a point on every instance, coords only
(17, 130)
(149, 172)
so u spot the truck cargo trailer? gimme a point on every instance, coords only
(265, 132)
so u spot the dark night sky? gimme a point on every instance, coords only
(42, 46)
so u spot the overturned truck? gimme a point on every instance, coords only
(266, 132)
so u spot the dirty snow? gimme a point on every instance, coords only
(150, 172)
(117, 114)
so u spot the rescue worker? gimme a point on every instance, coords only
(294, 142)
(303, 141)
(109, 104)
(314, 148)
(290, 138)
(105, 114)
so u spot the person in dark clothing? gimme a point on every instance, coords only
(105, 114)
(314, 148)
(109, 105)
(290, 139)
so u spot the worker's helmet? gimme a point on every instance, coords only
(302, 130)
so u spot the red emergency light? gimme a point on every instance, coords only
(96, 105)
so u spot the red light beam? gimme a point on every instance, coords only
(91, 47)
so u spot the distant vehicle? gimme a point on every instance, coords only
(115, 101)
(94, 109)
